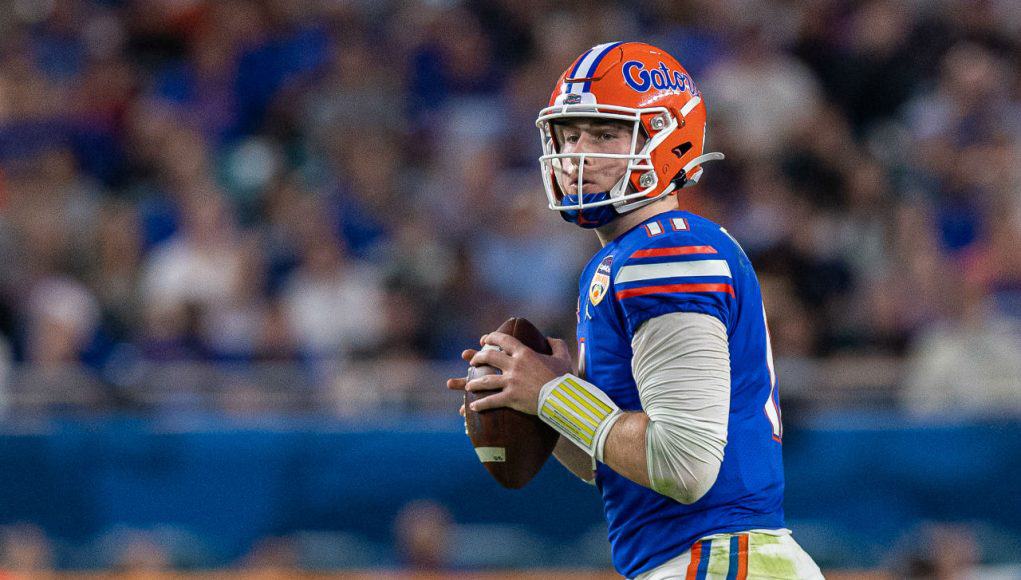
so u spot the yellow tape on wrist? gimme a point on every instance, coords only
(579, 411)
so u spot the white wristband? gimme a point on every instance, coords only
(578, 410)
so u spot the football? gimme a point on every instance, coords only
(512, 445)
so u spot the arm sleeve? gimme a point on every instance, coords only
(682, 367)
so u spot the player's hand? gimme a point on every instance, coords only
(524, 372)
(457, 383)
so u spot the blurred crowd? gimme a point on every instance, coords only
(333, 181)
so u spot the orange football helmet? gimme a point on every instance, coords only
(637, 83)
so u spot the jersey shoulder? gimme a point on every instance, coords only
(674, 262)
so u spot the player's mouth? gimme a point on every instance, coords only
(587, 186)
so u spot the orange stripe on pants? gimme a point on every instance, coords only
(696, 555)
(742, 557)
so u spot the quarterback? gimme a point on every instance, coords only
(672, 410)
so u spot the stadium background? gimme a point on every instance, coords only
(243, 243)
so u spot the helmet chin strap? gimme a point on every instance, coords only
(589, 217)
(623, 207)
(698, 161)
(628, 207)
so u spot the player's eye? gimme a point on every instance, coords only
(608, 136)
(571, 138)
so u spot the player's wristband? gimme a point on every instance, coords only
(579, 411)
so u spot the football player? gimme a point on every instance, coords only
(672, 411)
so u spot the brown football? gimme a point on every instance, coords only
(512, 445)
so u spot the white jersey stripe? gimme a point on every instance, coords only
(673, 270)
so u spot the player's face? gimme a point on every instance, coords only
(593, 136)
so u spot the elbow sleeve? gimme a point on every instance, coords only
(679, 467)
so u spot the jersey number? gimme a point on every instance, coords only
(773, 403)
(772, 406)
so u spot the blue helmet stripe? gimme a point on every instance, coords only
(574, 71)
(595, 64)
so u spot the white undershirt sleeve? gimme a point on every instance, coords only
(681, 365)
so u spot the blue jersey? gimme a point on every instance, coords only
(680, 262)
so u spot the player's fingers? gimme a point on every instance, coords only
(461, 410)
(468, 354)
(456, 384)
(486, 383)
(494, 358)
(560, 349)
(508, 343)
(494, 401)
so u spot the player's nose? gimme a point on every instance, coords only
(571, 169)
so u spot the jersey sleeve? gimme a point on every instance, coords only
(673, 274)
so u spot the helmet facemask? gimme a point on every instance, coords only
(638, 180)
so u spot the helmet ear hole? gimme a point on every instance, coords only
(680, 179)
(681, 149)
